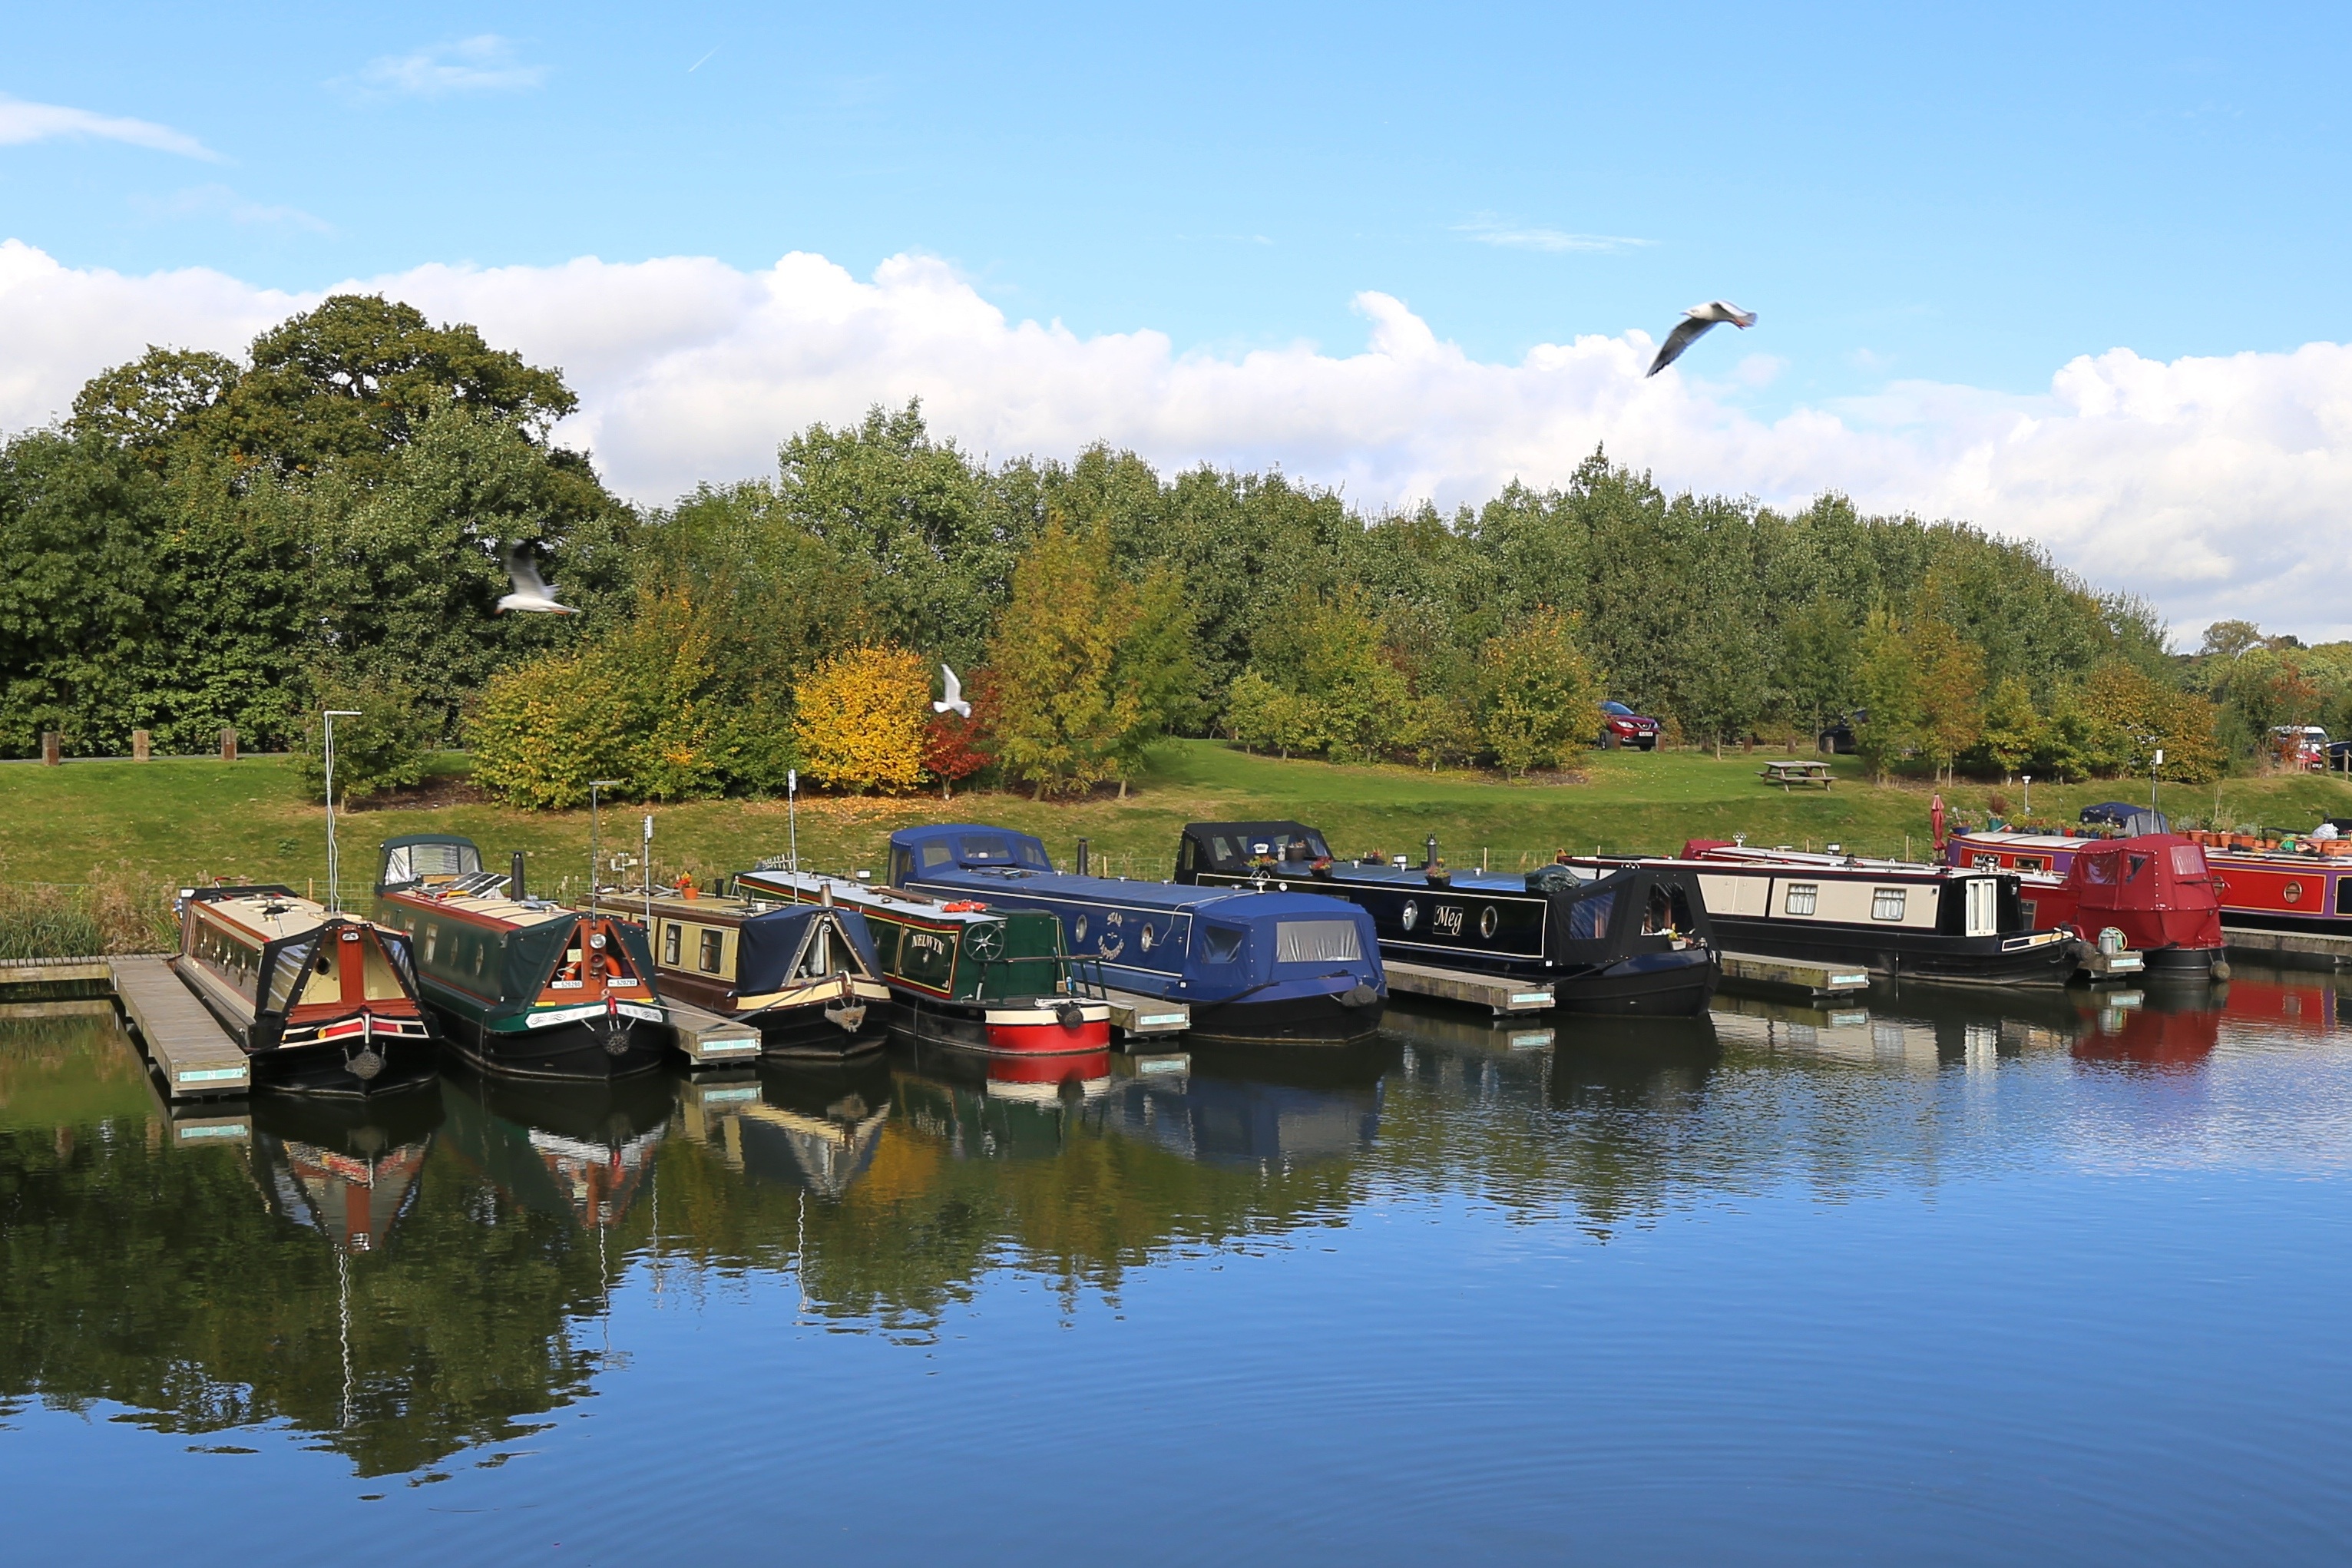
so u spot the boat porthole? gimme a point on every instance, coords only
(1489, 922)
(1411, 914)
(2294, 893)
(1078, 931)
(1145, 939)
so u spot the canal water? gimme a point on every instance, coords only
(1942, 1278)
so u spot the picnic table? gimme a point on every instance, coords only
(1789, 774)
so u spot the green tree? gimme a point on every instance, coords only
(1886, 678)
(386, 748)
(1540, 702)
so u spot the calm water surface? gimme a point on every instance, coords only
(1943, 1280)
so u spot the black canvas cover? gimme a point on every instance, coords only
(1628, 911)
(767, 945)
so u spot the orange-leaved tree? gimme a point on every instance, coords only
(858, 718)
(955, 747)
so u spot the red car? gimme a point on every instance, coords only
(1621, 726)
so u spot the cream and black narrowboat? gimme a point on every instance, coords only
(521, 985)
(804, 975)
(320, 1002)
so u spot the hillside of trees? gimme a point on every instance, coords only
(208, 541)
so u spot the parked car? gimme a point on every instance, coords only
(1621, 726)
(2300, 746)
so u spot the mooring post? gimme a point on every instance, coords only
(142, 745)
(49, 749)
(228, 743)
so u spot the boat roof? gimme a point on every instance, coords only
(495, 907)
(405, 839)
(1815, 861)
(2032, 840)
(1016, 862)
(869, 898)
(267, 914)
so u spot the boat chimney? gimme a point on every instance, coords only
(824, 891)
(514, 879)
(1082, 856)
(1429, 861)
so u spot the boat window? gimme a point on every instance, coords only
(673, 939)
(1221, 944)
(2136, 864)
(1184, 855)
(1887, 903)
(709, 954)
(1316, 941)
(2024, 863)
(2188, 860)
(397, 867)
(991, 848)
(2343, 893)
(1033, 855)
(1224, 850)
(1587, 919)
(902, 863)
(1802, 899)
(432, 941)
(290, 964)
(937, 853)
(1983, 911)
(2099, 869)
(379, 982)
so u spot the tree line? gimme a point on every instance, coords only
(208, 541)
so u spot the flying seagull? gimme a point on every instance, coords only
(532, 592)
(955, 702)
(1696, 320)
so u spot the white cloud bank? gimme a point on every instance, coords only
(2215, 487)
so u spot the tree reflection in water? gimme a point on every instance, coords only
(413, 1281)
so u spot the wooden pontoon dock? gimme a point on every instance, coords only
(1499, 993)
(707, 1041)
(192, 1051)
(1748, 974)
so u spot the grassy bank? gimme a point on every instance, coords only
(162, 822)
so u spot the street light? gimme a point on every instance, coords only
(594, 820)
(334, 890)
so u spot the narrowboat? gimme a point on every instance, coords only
(804, 975)
(1254, 967)
(1893, 917)
(2157, 888)
(520, 986)
(812, 1126)
(320, 1002)
(2280, 890)
(960, 975)
(1630, 941)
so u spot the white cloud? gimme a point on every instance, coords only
(1487, 229)
(220, 201)
(484, 63)
(22, 122)
(2216, 487)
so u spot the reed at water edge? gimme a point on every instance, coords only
(113, 911)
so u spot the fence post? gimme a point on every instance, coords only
(228, 743)
(49, 745)
(140, 744)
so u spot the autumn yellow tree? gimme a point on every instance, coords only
(1540, 701)
(858, 718)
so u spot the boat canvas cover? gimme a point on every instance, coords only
(1235, 846)
(768, 945)
(2156, 888)
(529, 955)
(1596, 922)
(416, 855)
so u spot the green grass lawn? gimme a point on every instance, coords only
(185, 820)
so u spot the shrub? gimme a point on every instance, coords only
(858, 718)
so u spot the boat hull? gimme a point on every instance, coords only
(1322, 1017)
(1960, 960)
(614, 1047)
(326, 1070)
(800, 1032)
(1000, 1029)
(1646, 985)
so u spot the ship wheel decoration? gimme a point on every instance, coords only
(986, 941)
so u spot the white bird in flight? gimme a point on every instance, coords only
(955, 702)
(1696, 320)
(532, 592)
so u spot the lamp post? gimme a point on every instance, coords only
(594, 822)
(334, 865)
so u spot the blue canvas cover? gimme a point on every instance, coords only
(769, 944)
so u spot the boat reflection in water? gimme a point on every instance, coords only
(997, 1107)
(1254, 1106)
(579, 1149)
(814, 1127)
(348, 1170)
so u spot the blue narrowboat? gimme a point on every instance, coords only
(1634, 941)
(1257, 968)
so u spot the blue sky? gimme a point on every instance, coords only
(1934, 210)
(1968, 195)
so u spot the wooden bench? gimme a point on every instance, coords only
(1789, 774)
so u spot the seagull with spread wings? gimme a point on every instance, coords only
(532, 592)
(1695, 321)
(955, 702)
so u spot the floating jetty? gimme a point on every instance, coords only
(1499, 993)
(1134, 1016)
(707, 1041)
(188, 1045)
(2290, 949)
(1752, 974)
